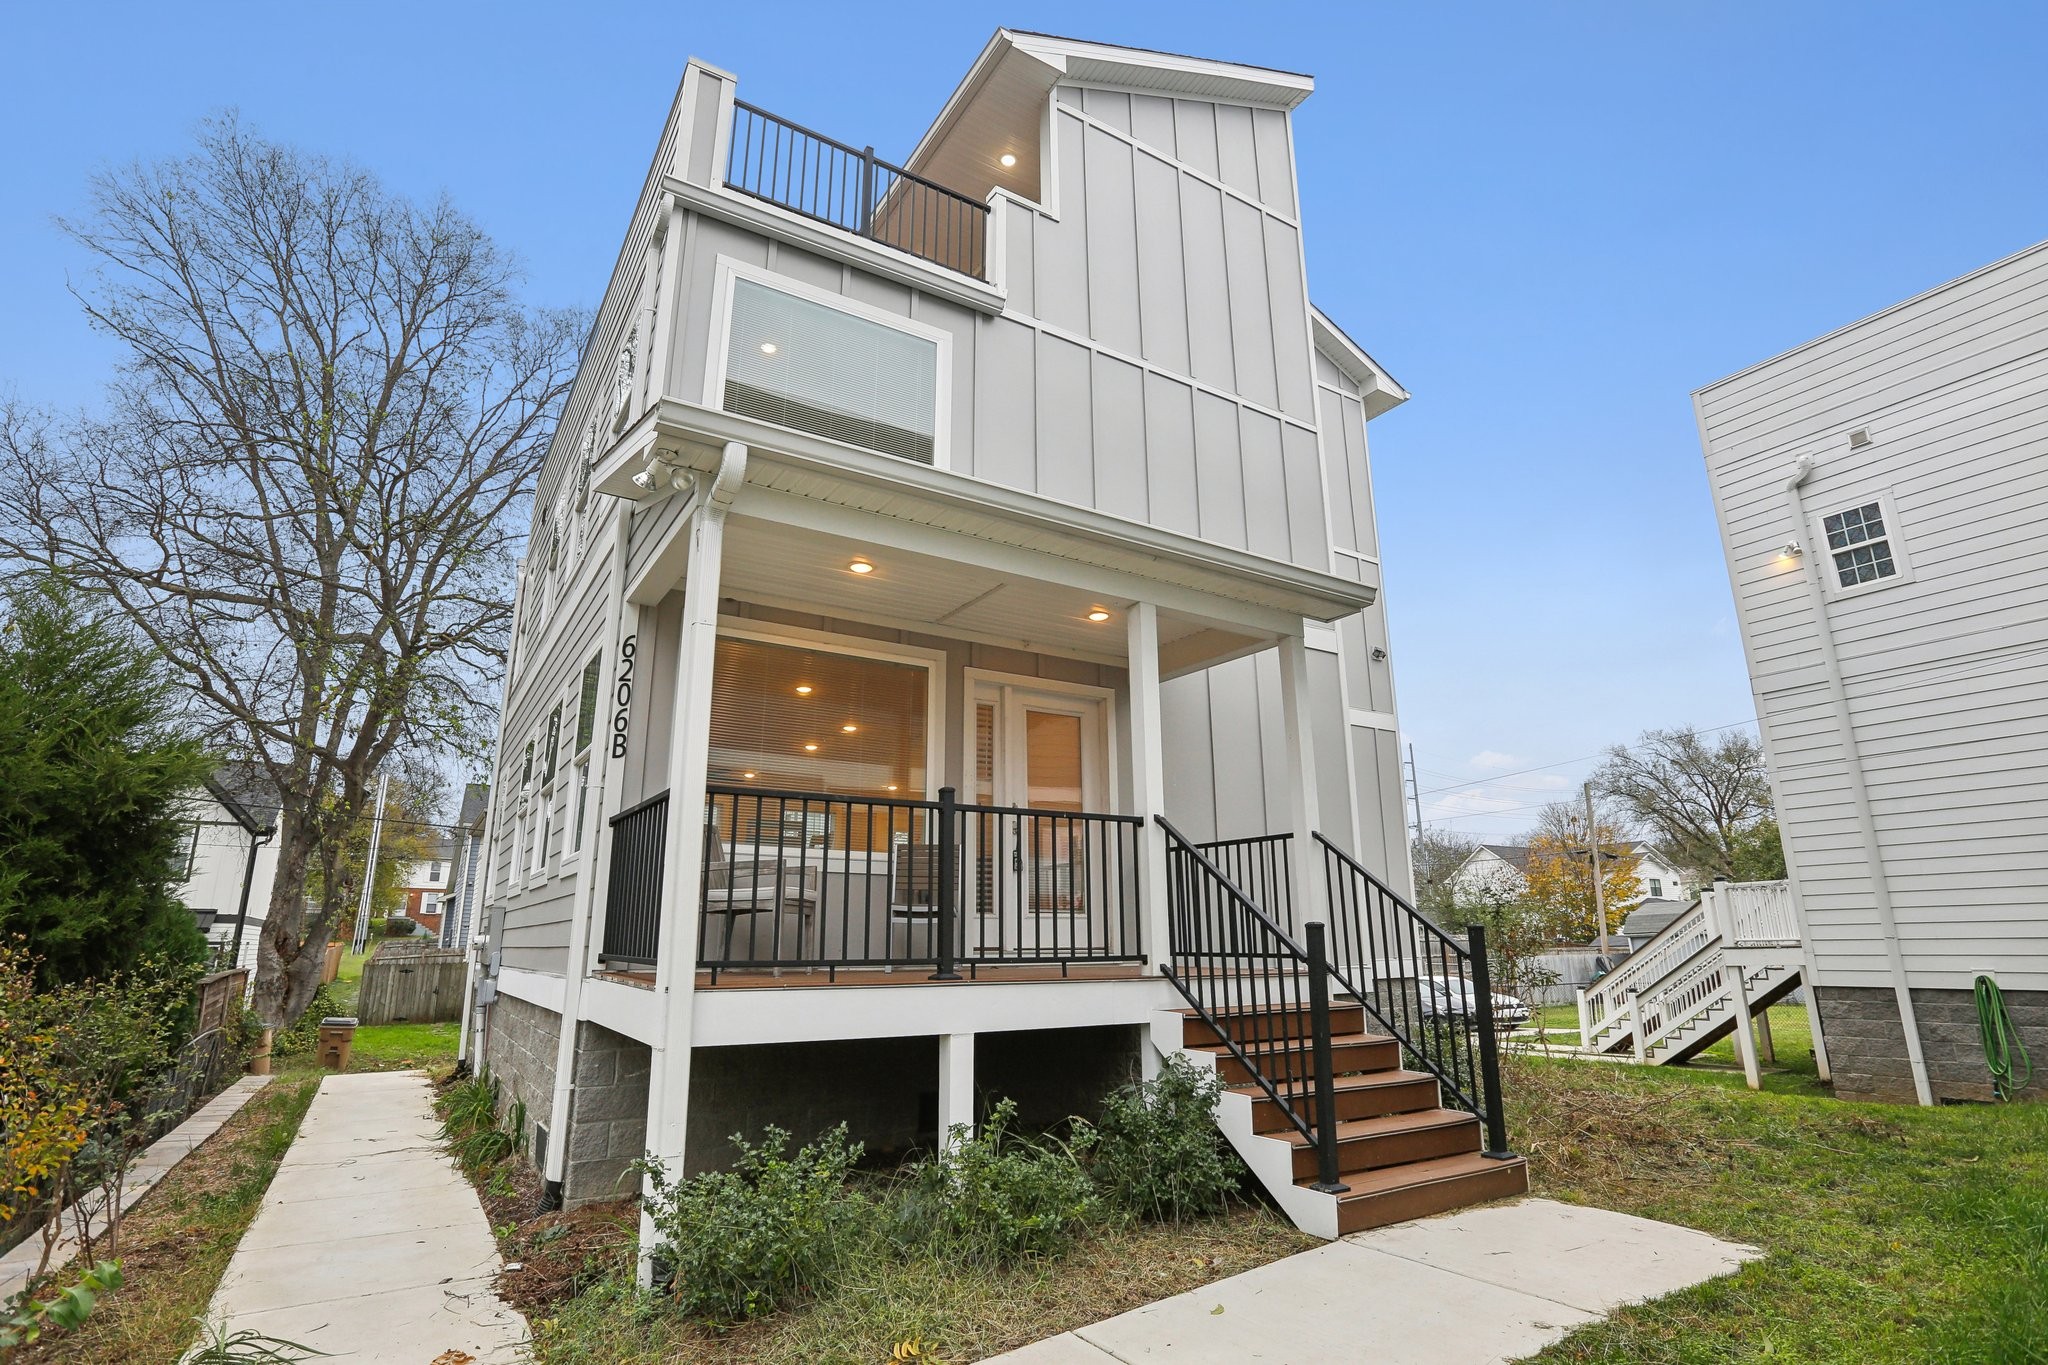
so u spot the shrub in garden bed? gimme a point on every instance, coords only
(1157, 1152)
(995, 1197)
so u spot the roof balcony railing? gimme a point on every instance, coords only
(852, 189)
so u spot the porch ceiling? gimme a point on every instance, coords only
(776, 565)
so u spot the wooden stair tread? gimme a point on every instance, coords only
(1336, 1040)
(1381, 1125)
(1362, 1080)
(1385, 1179)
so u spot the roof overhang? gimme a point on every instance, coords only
(675, 439)
(1376, 387)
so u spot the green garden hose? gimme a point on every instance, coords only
(2003, 1051)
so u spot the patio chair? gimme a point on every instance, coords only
(756, 885)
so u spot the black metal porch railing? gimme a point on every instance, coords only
(1265, 997)
(852, 189)
(1262, 867)
(803, 879)
(1432, 993)
(632, 920)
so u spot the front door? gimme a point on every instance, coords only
(1040, 758)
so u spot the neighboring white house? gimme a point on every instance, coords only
(458, 907)
(1881, 494)
(230, 862)
(914, 541)
(1502, 869)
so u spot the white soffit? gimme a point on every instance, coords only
(1375, 385)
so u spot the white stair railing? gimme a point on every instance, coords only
(1761, 912)
(1604, 1011)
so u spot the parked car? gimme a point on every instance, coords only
(1451, 997)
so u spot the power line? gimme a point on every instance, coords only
(1566, 762)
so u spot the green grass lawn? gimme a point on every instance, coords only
(398, 1047)
(1894, 1234)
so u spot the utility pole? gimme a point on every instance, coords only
(362, 935)
(1599, 893)
(1415, 790)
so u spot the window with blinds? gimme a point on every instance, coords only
(802, 718)
(803, 364)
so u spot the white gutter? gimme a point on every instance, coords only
(1859, 792)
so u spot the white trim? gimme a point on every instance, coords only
(1817, 542)
(1290, 87)
(545, 989)
(634, 1011)
(933, 661)
(1322, 637)
(1372, 720)
(781, 224)
(728, 1017)
(729, 270)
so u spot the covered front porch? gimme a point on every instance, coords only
(907, 754)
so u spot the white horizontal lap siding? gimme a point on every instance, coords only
(1947, 674)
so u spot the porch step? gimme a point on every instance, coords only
(1348, 1052)
(1363, 1096)
(1390, 1140)
(1346, 1019)
(1395, 1194)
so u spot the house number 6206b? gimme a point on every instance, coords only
(622, 696)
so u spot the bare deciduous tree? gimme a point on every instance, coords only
(1695, 799)
(305, 485)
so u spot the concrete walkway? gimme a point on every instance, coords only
(149, 1169)
(370, 1245)
(1473, 1288)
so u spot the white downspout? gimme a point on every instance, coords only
(577, 966)
(470, 1010)
(1859, 795)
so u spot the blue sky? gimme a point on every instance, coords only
(1550, 221)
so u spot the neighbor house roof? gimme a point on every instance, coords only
(1515, 855)
(476, 799)
(1652, 917)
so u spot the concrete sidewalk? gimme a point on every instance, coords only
(1473, 1288)
(370, 1245)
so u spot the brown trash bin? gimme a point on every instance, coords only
(337, 1041)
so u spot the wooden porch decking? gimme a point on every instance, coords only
(971, 973)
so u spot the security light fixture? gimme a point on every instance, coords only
(1791, 549)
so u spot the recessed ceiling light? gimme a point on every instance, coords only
(860, 566)
(892, 786)
(748, 776)
(803, 689)
(810, 748)
(1098, 614)
(849, 729)
(1008, 159)
(769, 348)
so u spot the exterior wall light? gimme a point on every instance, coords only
(1791, 549)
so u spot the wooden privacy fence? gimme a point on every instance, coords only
(219, 992)
(411, 987)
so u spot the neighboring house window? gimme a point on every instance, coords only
(1860, 545)
(1656, 889)
(433, 872)
(835, 369)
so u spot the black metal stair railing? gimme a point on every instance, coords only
(1265, 997)
(1432, 993)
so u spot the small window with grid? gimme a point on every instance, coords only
(1861, 546)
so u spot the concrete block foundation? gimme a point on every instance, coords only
(1867, 1043)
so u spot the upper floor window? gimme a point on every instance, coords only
(1861, 547)
(833, 367)
(1656, 889)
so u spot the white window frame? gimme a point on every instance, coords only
(1817, 543)
(729, 269)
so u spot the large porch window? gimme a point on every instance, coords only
(799, 717)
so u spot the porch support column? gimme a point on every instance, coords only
(1820, 1042)
(1148, 779)
(689, 762)
(956, 1085)
(1745, 1027)
(1304, 814)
